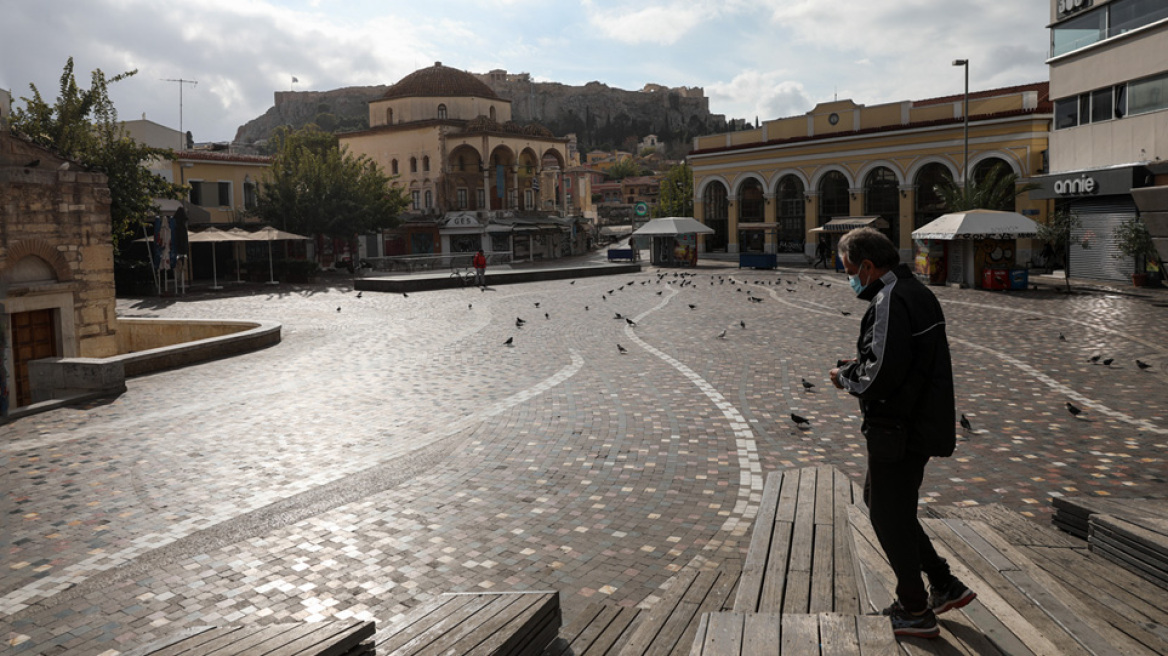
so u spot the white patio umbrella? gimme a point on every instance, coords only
(212, 236)
(674, 225)
(270, 234)
(977, 224)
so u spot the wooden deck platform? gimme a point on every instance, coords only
(465, 624)
(351, 638)
(814, 572)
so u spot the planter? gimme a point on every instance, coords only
(1139, 280)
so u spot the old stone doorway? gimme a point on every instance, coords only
(33, 337)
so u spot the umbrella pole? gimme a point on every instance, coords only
(235, 252)
(271, 268)
(214, 270)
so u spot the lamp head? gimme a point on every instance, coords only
(961, 62)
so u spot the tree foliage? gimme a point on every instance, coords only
(314, 187)
(676, 192)
(1057, 231)
(996, 191)
(1132, 239)
(82, 125)
(624, 168)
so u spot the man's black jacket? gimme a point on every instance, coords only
(903, 375)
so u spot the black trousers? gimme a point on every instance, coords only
(891, 490)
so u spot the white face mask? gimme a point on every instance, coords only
(854, 281)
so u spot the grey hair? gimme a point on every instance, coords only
(869, 244)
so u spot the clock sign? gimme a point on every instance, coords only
(833, 118)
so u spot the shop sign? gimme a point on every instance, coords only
(1081, 186)
(1068, 7)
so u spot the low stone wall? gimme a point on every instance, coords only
(136, 335)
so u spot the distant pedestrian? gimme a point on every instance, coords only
(822, 251)
(480, 266)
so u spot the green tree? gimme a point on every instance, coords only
(1057, 231)
(624, 168)
(315, 187)
(82, 125)
(676, 196)
(996, 191)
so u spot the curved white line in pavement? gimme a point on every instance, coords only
(750, 477)
(44, 588)
(1088, 324)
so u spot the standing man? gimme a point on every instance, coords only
(903, 378)
(821, 253)
(480, 266)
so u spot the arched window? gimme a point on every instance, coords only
(792, 212)
(997, 183)
(492, 112)
(717, 209)
(429, 199)
(441, 111)
(389, 116)
(833, 196)
(426, 163)
(393, 166)
(413, 165)
(751, 210)
(882, 199)
(929, 204)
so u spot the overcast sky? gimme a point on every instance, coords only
(764, 58)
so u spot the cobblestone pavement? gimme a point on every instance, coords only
(392, 448)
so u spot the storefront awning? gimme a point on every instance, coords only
(977, 224)
(848, 223)
(754, 225)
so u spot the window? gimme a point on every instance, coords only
(249, 195)
(426, 163)
(413, 165)
(1066, 113)
(492, 113)
(393, 166)
(528, 199)
(481, 198)
(441, 111)
(225, 194)
(567, 183)
(1127, 15)
(1078, 32)
(461, 166)
(389, 116)
(1120, 100)
(196, 194)
(462, 199)
(1101, 106)
(1147, 95)
(833, 196)
(415, 197)
(429, 199)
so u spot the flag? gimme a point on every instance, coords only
(295, 79)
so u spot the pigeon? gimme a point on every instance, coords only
(537, 305)
(827, 284)
(743, 324)
(1094, 358)
(338, 309)
(845, 313)
(603, 297)
(631, 322)
(799, 421)
(405, 295)
(1062, 337)
(1073, 410)
(658, 293)
(359, 294)
(470, 306)
(572, 283)
(692, 306)
(585, 308)
(621, 288)
(622, 350)
(806, 384)
(546, 315)
(965, 423)
(619, 316)
(722, 335)
(519, 322)
(611, 291)
(1142, 365)
(510, 342)
(1108, 361)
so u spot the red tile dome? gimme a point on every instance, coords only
(439, 80)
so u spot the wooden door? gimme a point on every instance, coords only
(33, 337)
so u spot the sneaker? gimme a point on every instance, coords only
(948, 597)
(905, 623)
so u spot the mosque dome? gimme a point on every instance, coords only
(439, 80)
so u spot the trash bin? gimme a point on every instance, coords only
(1019, 279)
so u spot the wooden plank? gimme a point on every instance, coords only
(774, 581)
(800, 635)
(824, 486)
(837, 635)
(528, 629)
(183, 641)
(871, 563)
(611, 640)
(874, 636)
(1147, 545)
(475, 627)
(427, 622)
(761, 634)
(822, 589)
(723, 633)
(1124, 559)
(788, 496)
(971, 537)
(327, 639)
(797, 596)
(651, 623)
(1017, 529)
(1057, 601)
(797, 593)
(699, 643)
(847, 581)
(250, 640)
(675, 629)
(576, 637)
(750, 587)
(717, 599)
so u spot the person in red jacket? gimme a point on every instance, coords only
(480, 266)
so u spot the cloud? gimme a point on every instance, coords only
(639, 22)
(764, 94)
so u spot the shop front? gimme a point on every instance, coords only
(977, 248)
(1101, 199)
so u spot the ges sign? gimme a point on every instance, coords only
(1066, 7)
(1080, 186)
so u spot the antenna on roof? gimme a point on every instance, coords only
(181, 134)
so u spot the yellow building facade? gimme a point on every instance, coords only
(223, 186)
(763, 189)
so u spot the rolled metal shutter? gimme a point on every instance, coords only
(1099, 218)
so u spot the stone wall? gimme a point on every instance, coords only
(52, 211)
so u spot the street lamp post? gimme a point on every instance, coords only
(964, 63)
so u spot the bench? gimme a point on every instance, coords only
(749, 634)
(338, 638)
(457, 624)
(629, 254)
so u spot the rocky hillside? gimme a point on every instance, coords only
(600, 116)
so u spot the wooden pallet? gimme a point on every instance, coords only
(336, 638)
(457, 624)
(1073, 514)
(1138, 543)
(829, 634)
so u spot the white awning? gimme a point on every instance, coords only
(674, 225)
(977, 224)
(849, 223)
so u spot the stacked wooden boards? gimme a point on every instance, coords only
(1130, 532)
(462, 624)
(339, 638)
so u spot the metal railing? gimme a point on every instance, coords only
(436, 262)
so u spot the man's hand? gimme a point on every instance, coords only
(834, 373)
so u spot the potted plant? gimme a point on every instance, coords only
(1133, 240)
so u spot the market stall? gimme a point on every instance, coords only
(975, 248)
(837, 227)
(673, 240)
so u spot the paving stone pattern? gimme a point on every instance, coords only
(396, 449)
